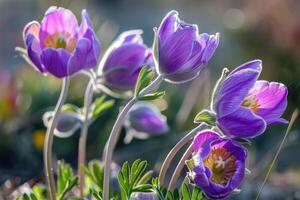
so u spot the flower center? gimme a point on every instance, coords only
(222, 165)
(251, 102)
(61, 40)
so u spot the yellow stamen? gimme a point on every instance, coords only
(252, 103)
(222, 165)
(61, 40)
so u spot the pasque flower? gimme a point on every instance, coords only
(124, 60)
(181, 52)
(146, 120)
(245, 106)
(217, 165)
(58, 45)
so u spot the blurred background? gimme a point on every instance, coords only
(267, 30)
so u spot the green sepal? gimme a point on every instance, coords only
(100, 106)
(153, 96)
(143, 80)
(69, 108)
(206, 116)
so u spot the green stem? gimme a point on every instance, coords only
(88, 97)
(114, 135)
(49, 139)
(166, 164)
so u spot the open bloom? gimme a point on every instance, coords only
(124, 60)
(181, 52)
(218, 164)
(245, 106)
(59, 45)
(145, 120)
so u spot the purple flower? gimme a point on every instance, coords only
(145, 120)
(218, 164)
(245, 106)
(181, 52)
(123, 61)
(144, 196)
(59, 45)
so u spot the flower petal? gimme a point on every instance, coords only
(85, 23)
(55, 61)
(203, 137)
(234, 90)
(209, 49)
(168, 25)
(34, 52)
(132, 36)
(146, 118)
(58, 20)
(83, 57)
(183, 77)
(242, 123)
(255, 65)
(32, 28)
(175, 51)
(239, 175)
(127, 55)
(272, 100)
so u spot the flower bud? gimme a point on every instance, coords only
(181, 52)
(124, 60)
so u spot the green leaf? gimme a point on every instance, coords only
(138, 172)
(30, 196)
(146, 177)
(40, 191)
(134, 179)
(68, 187)
(176, 195)
(170, 196)
(98, 174)
(125, 172)
(95, 194)
(142, 188)
(65, 180)
(185, 191)
(143, 80)
(64, 173)
(206, 116)
(100, 105)
(94, 174)
(69, 108)
(153, 96)
(196, 195)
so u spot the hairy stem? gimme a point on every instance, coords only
(49, 139)
(88, 97)
(188, 137)
(179, 168)
(114, 135)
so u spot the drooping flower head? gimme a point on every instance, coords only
(145, 120)
(218, 164)
(245, 106)
(58, 45)
(124, 60)
(181, 52)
